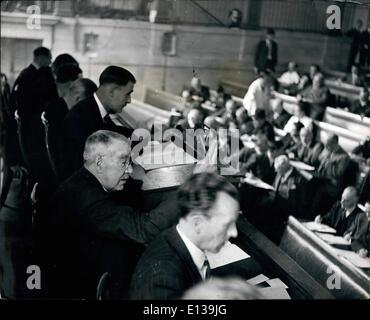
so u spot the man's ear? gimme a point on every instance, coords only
(197, 221)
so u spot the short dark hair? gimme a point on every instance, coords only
(88, 85)
(63, 59)
(67, 72)
(41, 51)
(260, 114)
(199, 192)
(116, 75)
(304, 106)
(270, 31)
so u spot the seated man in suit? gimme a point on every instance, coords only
(289, 194)
(362, 105)
(177, 259)
(334, 162)
(347, 219)
(354, 78)
(94, 113)
(198, 91)
(317, 96)
(262, 125)
(308, 150)
(258, 161)
(279, 116)
(91, 230)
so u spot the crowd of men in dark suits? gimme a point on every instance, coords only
(90, 217)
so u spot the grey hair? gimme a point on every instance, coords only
(99, 140)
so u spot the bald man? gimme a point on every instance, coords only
(334, 162)
(93, 232)
(347, 219)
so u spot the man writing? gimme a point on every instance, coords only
(93, 232)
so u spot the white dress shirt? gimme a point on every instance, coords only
(196, 254)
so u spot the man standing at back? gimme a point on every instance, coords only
(92, 114)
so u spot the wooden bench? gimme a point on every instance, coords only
(142, 115)
(276, 262)
(163, 100)
(320, 260)
(343, 90)
(234, 88)
(348, 140)
(348, 120)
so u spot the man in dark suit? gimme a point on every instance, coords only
(92, 114)
(288, 198)
(177, 260)
(308, 150)
(90, 230)
(262, 125)
(347, 219)
(279, 117)
(334, 162)
(266, 55)
(362, 105)
(32, 90)
(57, 110)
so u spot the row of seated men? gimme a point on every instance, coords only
(88, 228)
(334, 168)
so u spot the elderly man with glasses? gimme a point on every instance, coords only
(91, 231)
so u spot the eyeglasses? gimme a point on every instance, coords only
(127, 164)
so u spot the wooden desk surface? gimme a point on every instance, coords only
(273, 262)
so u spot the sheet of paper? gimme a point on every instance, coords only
(229, 253)
(277, 283)
(354, 258)
(275, 293)
(257, 279)
(258, 183)
(319, 227)
(332, 239)
(158, 155)
(301, 165)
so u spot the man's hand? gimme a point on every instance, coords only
(362, 253)
(318, 219)
(347, 236)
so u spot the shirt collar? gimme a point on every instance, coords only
(196, 254)
(102, 110)
(348, 212)
(35, 65)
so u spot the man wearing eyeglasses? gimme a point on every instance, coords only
(93, 232)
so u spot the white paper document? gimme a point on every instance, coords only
(229, 253)
(258, 183)
(301, 165)
(354, 258)
(257, 279)
(275, 293)
(277, 283)
(162, 155)
(319, 227)
(332, 239)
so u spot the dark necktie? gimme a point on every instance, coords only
(108, 121)
(207, 268)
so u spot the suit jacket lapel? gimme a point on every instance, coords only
(176, 242)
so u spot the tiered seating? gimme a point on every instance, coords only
(163, 100)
